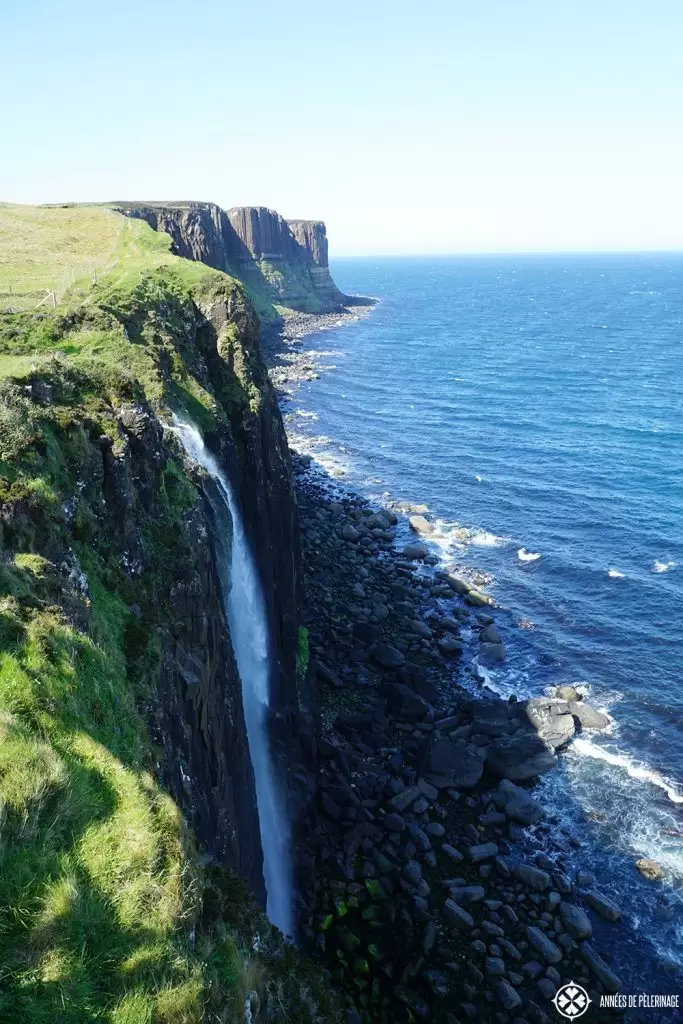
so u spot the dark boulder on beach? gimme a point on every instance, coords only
(387, 656)
(520, 757)
(517, 804)
(404, 703)
(415, 552)
(451, 765)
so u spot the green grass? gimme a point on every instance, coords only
(56, 249)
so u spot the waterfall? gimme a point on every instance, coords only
(246, 614)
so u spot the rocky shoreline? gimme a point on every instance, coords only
(444, 888)
(287, 363)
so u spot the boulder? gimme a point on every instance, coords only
(650, 869)
(602, 905)
(517, 803)
(491, 654)
(576, 921)
(477, 599)
(519, 757)
(491, 717)
(404, 703)
(420, 525)
(551, 719)
(490, 635)
(402, 801)
(602, 972)
(587, 717)
(377, 521)
(449, 765)
(387, 656)
(540, 942)
(455, 916)
(350, 533)
(458, 586)
(485, 851)
(506, 995)
(531, 877)
(465, 893)
(415, 552)
(449, 646)
(569, 693)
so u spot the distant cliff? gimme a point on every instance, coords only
(281, 262)
(292, 255)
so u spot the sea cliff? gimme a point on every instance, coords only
(128, 799)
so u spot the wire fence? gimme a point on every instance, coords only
(18, 300)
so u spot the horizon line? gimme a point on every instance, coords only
(424, 254)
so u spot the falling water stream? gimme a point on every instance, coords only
(246, 613)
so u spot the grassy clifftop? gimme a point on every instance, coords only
(51, 249)
(105, 910)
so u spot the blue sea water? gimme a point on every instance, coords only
(538, 402)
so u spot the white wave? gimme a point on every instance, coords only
(663, 566)
(528, 556)
(484, 539)
(479, 479)
(305, 414)
(633, 769)
(615, 574)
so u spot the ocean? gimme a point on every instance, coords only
(535, 404)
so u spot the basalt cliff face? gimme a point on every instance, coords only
(281, 262)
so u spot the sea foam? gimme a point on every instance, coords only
(633, 768)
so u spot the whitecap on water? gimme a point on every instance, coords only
(484, 539)
(663, 566)
(634, 769)
(528, 556)
(615, 574)
(479, 479)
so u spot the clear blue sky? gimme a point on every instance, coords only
(429, 126)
